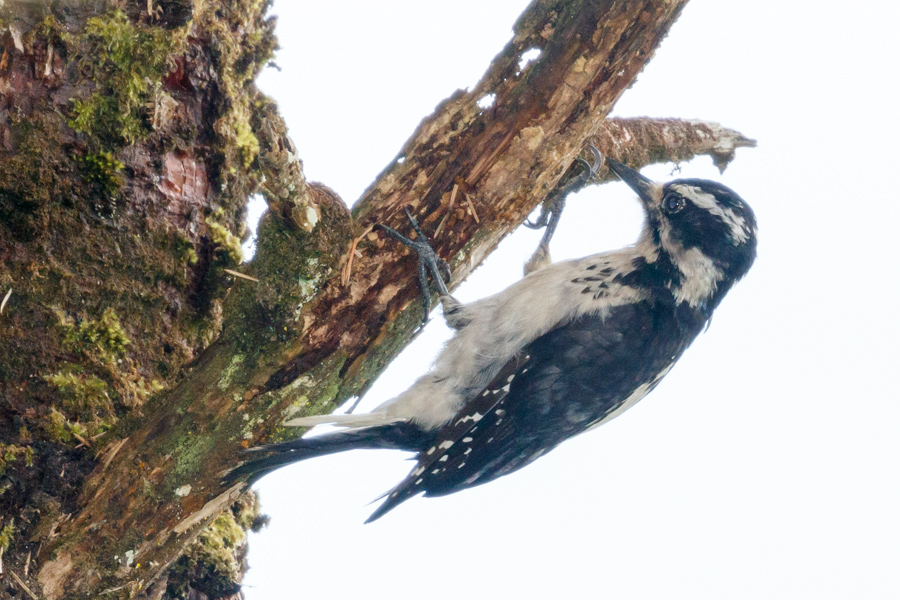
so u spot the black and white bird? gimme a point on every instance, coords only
(569, 347)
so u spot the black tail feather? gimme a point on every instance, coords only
(393, 499)
(396, 436)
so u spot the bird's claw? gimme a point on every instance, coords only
(542, 219)
(429, 261)
(552, 209)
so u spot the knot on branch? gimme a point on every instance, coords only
(284, 185)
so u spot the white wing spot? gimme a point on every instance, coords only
(446, 444)
(474, 418)
(466, 440)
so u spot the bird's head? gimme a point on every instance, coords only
(704, 229)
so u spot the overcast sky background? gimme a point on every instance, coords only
(766, 464)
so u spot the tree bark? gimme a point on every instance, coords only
(128, 283)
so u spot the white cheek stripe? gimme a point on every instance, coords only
(701, 275)
(739, 230)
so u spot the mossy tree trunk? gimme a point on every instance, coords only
(135, 363)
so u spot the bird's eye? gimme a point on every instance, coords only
(672, 203)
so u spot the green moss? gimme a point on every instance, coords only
(104, 338)
(212, 564)
(240, 57)
(84, 397)
(10, 453)
(35, 179)
(59, 429)
(184, 249)
(104, 172)
(296, 269)
(212, 560)
(190, 256)
(54, 425)
(223, 238)
(51, 29)
(127, 62)
(138, 390)
(244, 138)
(6, 536)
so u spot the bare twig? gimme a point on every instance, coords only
(112, 453)
(5, 300)
(472, 208)
(348, 268)
(113, 590)
(440, 227)
(241, 275)
(23, 586)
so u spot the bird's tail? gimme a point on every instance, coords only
(265, 459)
(353, 421)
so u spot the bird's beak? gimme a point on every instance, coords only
(647, 190)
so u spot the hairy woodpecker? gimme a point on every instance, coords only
(569, 347)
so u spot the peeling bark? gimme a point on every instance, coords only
(297, 337)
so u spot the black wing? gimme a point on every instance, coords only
(563, 383)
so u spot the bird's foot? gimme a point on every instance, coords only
(552, 208)
(429, 261)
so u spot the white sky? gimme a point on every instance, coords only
(766, 464)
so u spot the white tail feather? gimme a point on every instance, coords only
(351, 421)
